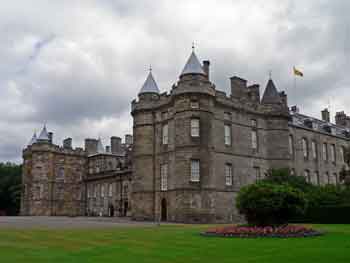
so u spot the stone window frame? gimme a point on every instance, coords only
(291, 145)
(102, 192)
(307, 175)
(110, 189)
(333, 153)
(254, 139)
(195, 170)
(305, 148)
(164, 173)
(257, 173)
(314, 150)
(325, 152)
(165, 134)
(227, 134)
(229, 174)
(195, 127)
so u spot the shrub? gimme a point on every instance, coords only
(265, 204)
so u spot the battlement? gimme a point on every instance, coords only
(47, 147)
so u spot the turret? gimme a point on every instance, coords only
(271, 95)
(44, 136)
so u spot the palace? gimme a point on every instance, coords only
(191, 151)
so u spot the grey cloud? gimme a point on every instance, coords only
(78, 64)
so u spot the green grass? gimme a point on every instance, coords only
(171, 244)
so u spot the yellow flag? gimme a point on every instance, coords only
(298, 72)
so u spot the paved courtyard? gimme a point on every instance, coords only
(68, 222)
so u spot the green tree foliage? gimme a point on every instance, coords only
(10, 188)
(283, 176)
(267, 204)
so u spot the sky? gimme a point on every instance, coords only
(76, 65)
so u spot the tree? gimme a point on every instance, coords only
(10, 188)
(267, 204)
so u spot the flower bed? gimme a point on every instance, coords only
(268, 231)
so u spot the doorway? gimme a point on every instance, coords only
(164, 210)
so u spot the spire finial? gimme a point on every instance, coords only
(193, 46)
(150, 68)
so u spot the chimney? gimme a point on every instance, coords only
(341, 119)
(128, 139)
(116, 143)
(91, 146)
(67, 143)
(206, 65)
(50, 134)
(325, 115)
(238, 87)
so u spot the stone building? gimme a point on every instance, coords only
(196, 146)
(65, 181)
(191, 151)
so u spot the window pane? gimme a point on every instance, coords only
(227, 135)
(324, 152)
(165, 133)
(228, 174)
(291, 145)
(164, 177)
(333, 153)
(305, 151)
(254, 139)
(195, 170)
(314, 150)
(195, 127)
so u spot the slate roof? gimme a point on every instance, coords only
(150, 85)
(193, 66)
(44, 136)
(271, 95)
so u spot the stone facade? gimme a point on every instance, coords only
(58, 181)
(191, 151)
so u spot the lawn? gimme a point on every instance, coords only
(168, 243)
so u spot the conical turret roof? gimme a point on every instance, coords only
(150, 85)
(271, 95)
(193, 66)
(44, 136)
(33, 140)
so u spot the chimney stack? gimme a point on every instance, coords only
(91, 146)
(325, 115)
(238, 87)
(206, 65)
(67, 143)
(116, 145)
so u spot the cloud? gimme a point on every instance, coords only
(78, 64)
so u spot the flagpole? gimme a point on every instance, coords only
(295, 88)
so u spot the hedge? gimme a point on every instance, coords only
(330, 214)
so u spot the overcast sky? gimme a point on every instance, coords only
(76, 65)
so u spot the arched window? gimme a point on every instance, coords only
(305, 148)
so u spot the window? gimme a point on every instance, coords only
(164, 115)
(228, 174)
(342, 154)
(195, 127)
(88, 192)
(324, 152)
(254, 123)
(60, 174)
(102, 190)
(307, 176)
(257, 173)
(305, 148)
(165, 134)
(110, 190)
(328, 179)
(195, 170)
(194, 104)
(254, 139)
(316, 178)
(227, 134)
(291, 145)
(333, 153)
(314, 150)
(164, 177)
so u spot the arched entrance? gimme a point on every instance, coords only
(164, 210)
